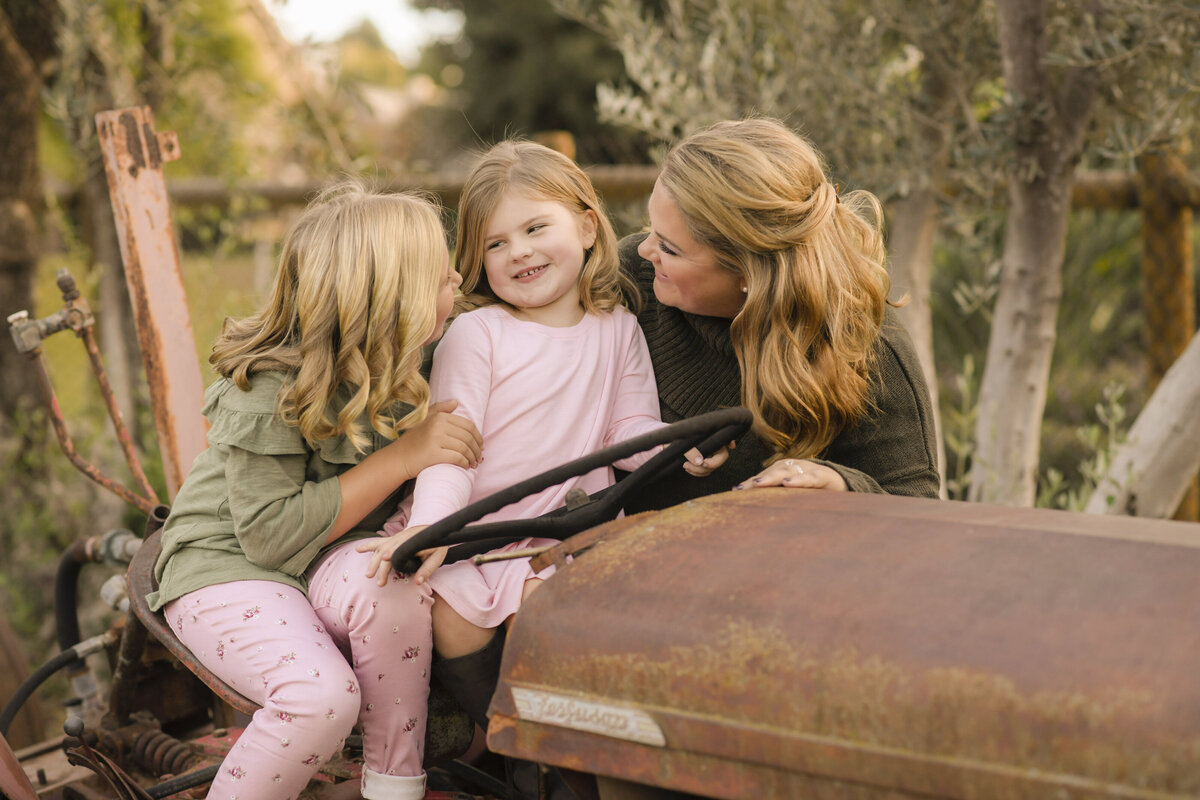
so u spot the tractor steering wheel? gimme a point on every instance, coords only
(706, 432)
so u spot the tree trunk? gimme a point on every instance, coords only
(910, 246)
(1012, 394)
(20, 179)
(1050, 122)
(1154, 468)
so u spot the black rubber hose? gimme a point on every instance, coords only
(185, 781)
(30, 685)
(66, 594)
(42, 673)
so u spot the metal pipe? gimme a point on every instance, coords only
(133, 643)
(114, 412)
(75, 315)
(57, 421)
(83, 326)
(124, 675)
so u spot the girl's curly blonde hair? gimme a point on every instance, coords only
(353, 302)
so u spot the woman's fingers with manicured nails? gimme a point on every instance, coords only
(796, 473)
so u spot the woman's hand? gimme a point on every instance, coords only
(698, 466)
(797, 472)
(384, 546)
(442, 438)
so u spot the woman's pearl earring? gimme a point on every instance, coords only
(744, 290)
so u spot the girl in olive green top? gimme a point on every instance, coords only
(319, 416)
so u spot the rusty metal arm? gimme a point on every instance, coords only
(134, 153)
(75, 315)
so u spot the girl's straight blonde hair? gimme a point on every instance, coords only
(538, 172)
(813, 264)
(353, 302)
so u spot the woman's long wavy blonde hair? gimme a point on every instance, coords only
(537, 171)
(353, 302)
(813, 264)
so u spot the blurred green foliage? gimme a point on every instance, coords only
(525, 68)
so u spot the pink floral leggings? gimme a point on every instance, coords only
(292, 655)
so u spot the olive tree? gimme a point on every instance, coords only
(906, 98)
(1108, 75)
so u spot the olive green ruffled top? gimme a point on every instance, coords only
(260, 501)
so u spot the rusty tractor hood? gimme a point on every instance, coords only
(787, 643)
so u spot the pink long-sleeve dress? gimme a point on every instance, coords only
(540, 396)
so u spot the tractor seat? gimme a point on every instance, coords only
(447, 735)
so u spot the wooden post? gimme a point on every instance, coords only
(1169, 289)
(562, 141)
(133, 157)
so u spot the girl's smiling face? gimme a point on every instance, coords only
(686, 273)
(533, 252)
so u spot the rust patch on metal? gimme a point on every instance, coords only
(153, 158)
(133, 144)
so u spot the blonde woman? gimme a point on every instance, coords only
(762, 287)
(319, 415)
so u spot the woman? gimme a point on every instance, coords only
(762, 288)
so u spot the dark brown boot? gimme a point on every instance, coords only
(471, 679)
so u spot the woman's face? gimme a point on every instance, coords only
(686, 273)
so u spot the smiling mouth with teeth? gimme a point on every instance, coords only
(529, 272)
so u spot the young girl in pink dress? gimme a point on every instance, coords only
(550, 366)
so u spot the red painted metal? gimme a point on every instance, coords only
(114, 412)
(14, 783)
(133, 157)
(786, 643)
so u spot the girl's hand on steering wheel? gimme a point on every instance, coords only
(430, 560)
(382, 548)
(385, 546)
(698, 466)
(797, 472)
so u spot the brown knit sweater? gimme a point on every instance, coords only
(892, 451)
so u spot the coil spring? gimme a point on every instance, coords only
(161, 753)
